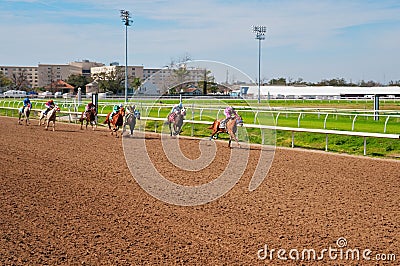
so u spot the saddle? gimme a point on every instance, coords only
(171, 117)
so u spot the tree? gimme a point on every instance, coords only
(4, 80)
(79, 81)
(110, 81)
(279, 81)
(136, 83)
(394, 83)
(20, 80)
(369, 83)
(180, 75)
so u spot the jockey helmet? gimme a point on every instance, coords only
(121, 105)
(180, 105)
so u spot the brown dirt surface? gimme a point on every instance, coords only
(68, 198)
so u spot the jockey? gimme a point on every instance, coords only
(49, 105)
(89, 106)
(174, 111)
(229, 113)
(25, 102)
(115, 110)
(177, 108)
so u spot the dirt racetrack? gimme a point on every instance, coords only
(68, 198)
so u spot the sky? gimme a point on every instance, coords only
(308, 39)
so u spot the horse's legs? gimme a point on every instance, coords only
(233, 136)
(132, 126)
(170, 130)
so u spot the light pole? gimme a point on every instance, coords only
(125, 16)
(260, 35)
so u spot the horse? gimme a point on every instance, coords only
(26, 112)
(90, 117)
(130, 118)
(230, 128)
(117, 121)
(49, 117)
(176, 120)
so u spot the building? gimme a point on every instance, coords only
(86, 66)
(60, 86)
(25, 77)
(133, 71)
(114, 71)
(48, 73)
(158, 81)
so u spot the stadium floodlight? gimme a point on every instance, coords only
(260, 35)
(126, 19)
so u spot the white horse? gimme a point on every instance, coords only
(26, 112)
(49, 117)
(130, 118)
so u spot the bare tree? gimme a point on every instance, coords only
(20, 80)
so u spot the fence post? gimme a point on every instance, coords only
(326, 117)
(365, 146)
(192, 133)
(255, 117)
(277, 116)
(387, 119)
(298, 120)
(292, 139)
(354, 120)
(326, 142)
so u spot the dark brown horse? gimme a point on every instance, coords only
(117, 121)
(175, 121)
(230, 128)
(90, 117)
(130, 118)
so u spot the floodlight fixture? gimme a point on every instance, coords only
(126, 19)
(260, 35)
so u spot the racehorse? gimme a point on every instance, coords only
(175, 120)
(130, 118)
(26, 113)
(117, 121)
(49, 117)
(90, 117)
(230, 128)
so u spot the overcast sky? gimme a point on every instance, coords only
(308, 39)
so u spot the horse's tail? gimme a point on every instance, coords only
(213, 125)
(107, 119)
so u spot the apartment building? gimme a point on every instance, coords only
(26, 77)
(157, 81)
(49, 73)
(29, 77)
(86, 66)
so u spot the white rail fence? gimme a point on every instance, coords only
(72, 116)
